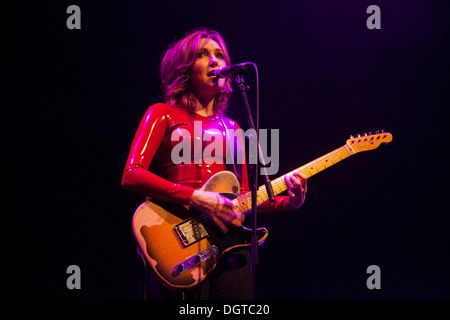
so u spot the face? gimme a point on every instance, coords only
(209, 57)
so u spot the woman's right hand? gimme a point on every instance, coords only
(219, 208)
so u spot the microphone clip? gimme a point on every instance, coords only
(239, 80)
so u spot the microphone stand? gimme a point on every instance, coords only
(254, 258)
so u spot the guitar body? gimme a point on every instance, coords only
(180, 247)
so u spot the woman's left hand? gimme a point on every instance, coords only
(297, 188)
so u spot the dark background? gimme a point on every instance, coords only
(79, 96)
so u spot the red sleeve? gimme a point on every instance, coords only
(281, 203)
(146, 142)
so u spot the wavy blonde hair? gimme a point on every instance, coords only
(176, 66)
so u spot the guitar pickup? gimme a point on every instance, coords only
(195, 260)
(190, 231)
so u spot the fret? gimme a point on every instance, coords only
(326, 161)
(237, 205)
(245, 206)
(329, 158)
(277, 186)
(335, 157)
(259, 196)
(313, 167)
(281, 185)
(307, 171)
(343, 153)
(243, 201)
(319, 166)
(248, 200)
(263, 195)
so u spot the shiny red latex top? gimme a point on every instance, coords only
(153, 144)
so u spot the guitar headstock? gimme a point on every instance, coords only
(369, 141)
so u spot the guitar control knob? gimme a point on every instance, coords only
(197, 259)
(180, 268)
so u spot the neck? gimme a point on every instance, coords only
(205, 105)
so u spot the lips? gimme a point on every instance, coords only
(211, 73)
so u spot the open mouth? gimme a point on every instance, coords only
(211, 74)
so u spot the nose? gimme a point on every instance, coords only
(213, 61)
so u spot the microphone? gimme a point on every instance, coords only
(228, 71)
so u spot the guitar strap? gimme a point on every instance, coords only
(234, 167)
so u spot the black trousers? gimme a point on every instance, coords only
(230, 280)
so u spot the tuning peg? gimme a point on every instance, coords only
(382, 131)
(377, 132)
(370, 133)
(358, 135)
(351, 137)
(365, 134)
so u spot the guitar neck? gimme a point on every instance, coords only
(244, 202)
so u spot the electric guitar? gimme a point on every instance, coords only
(183, 247)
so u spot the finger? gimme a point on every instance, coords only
(238, 218)
(295, 181)
(305, 186)
(223, 201)
(236, 222)
(227, 202)
(301, 175)
(288, 182)
(231, 217)
(303, 183)
(220, 225)
(225, 215)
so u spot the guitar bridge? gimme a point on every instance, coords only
(190, 231)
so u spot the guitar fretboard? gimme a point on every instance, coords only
(244, 202)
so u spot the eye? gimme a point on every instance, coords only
(219, 55)
(202, 53)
